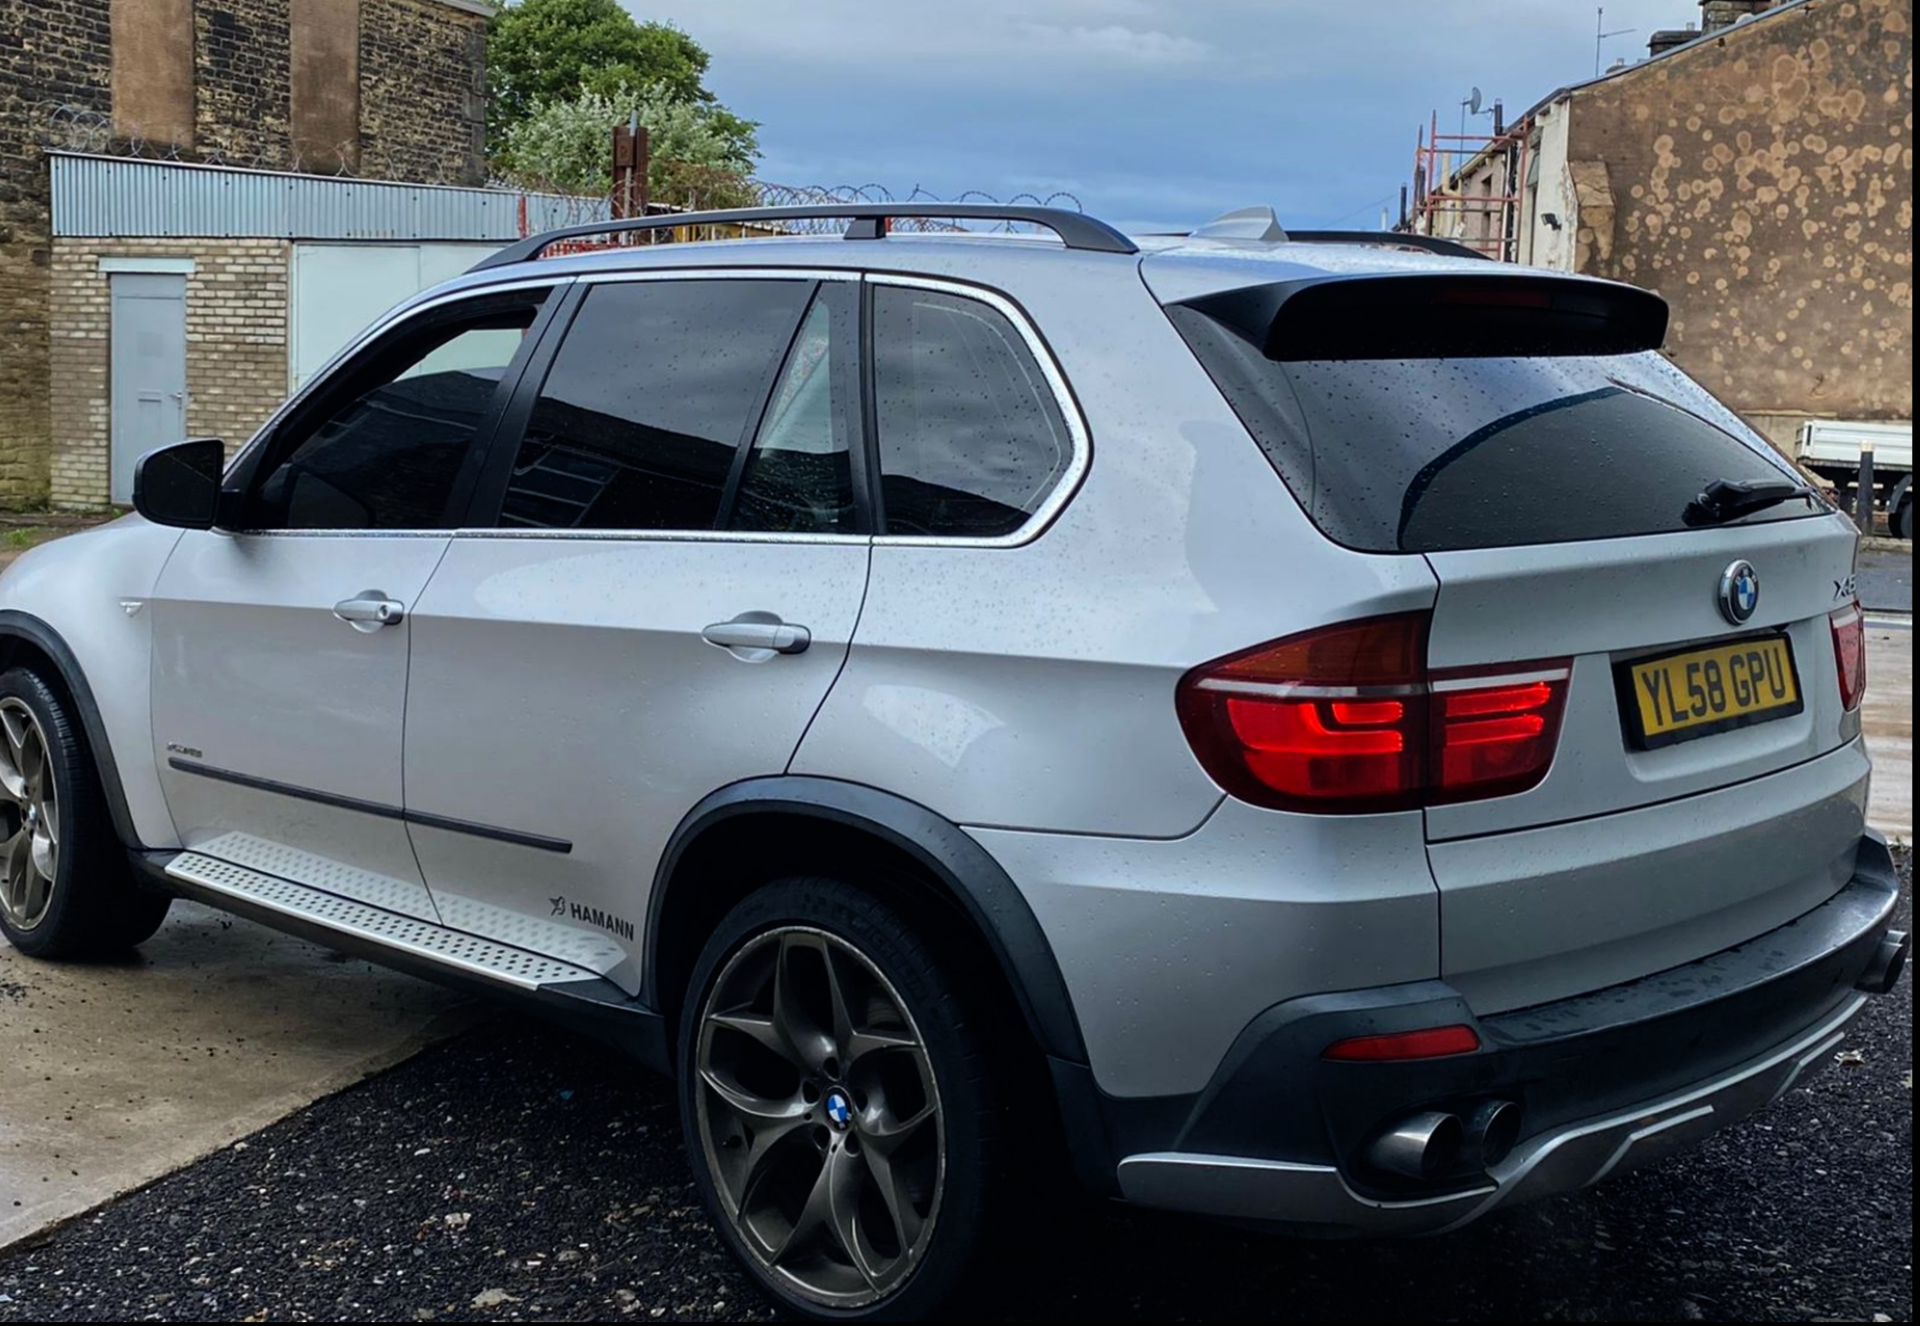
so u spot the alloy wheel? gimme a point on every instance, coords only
(29, 817)
(819, 1117)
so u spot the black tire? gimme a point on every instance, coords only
(970, 1201)
(1900, 510)
(91, 905)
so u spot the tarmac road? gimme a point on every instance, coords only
(518, 1174)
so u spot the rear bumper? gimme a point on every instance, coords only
(1605, 1081)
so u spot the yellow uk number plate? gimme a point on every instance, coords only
(1698, 692)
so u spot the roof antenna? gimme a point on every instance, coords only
(1249, 225)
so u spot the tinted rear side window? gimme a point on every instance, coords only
(649, 399)
(971, 437)
(1430, 455)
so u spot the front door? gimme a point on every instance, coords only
(676, 574)
(149, 370)
(280, 652)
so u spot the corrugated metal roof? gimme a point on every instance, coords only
(120, 197)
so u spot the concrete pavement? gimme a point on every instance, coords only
(118, 1073)
(1889, 723)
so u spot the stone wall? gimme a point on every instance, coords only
(423, 92)
(52, 53)
(242, 77)
(1762, 181)
(236, 348)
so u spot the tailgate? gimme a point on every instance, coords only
(1612, 602)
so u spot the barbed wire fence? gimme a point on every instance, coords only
(68, 127)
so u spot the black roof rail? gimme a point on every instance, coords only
(1076, 230)
(1389, 239)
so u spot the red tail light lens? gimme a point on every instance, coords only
(1850, 653)
(1495, 735)
(1348, 720)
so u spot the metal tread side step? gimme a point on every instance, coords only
(436, 944)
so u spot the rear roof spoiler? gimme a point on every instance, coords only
(1440, 315)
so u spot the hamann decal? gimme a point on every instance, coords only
(605, 920)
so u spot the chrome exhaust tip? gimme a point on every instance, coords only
(1889, 960)
(1492, 1129)
(1421, 1146)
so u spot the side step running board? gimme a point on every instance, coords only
(421, 939)
(559, 990)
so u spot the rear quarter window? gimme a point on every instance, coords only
(1433, 455)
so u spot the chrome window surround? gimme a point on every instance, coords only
(1043, 515)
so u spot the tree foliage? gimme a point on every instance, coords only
(698, 152)
(547, 53)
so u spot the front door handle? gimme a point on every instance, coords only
(369, 610)
(758, 635)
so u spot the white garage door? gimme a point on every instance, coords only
(338, 289)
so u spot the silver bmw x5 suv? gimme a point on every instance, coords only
(1290, 729)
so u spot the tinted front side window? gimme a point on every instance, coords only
(1428, 455)
(971, 438)
(647, 402)
(393, 432)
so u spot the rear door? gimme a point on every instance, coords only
(674, 569)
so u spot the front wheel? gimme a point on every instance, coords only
(65, 887)
(839, 1108)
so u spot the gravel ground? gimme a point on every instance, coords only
(519, 1174)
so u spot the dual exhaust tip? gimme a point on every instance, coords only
(1888, 961)
(1433, 1143)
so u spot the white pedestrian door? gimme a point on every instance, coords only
(149, 367)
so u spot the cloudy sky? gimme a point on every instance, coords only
(1153, 113)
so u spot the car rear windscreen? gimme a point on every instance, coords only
(1436, 454)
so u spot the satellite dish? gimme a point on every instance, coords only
(1473, 102)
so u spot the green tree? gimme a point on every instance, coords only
(545, 51)
(698, 152)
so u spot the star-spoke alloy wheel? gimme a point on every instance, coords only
(818, 1112)
(66, 889)
(29, 817)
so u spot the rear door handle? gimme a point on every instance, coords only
(752, 635)
(369, 610)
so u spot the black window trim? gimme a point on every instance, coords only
(490, 495)
(248, 467)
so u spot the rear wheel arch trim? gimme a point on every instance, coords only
(17, 625)
(966, 869)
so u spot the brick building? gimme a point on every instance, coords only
(368, 89)
(1757, 171)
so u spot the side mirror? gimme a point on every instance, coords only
(179, 486)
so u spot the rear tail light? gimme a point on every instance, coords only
(1850, 653)
(1349, 720)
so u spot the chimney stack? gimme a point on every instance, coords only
(1719, 15)
(1667, 38)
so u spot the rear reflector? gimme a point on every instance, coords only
(1426, 1043)
(1348, 720)
(1850, 654)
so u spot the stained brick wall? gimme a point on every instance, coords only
(236, 347)
(1763, 182)
(423, 105)
(52, 53)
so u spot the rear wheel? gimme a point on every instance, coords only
(65, 887)
(1900, 509)
(839, 1110)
